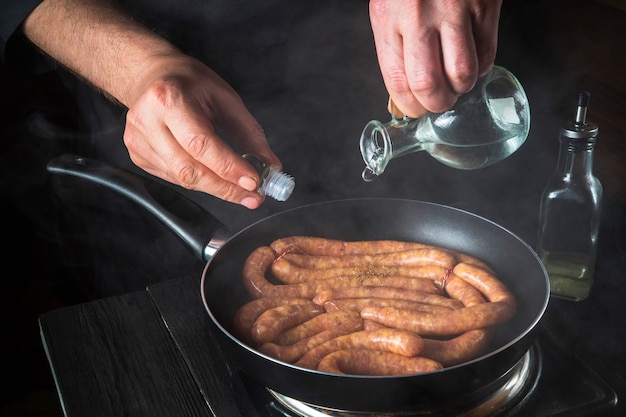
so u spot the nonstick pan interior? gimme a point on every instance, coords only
(369, 219)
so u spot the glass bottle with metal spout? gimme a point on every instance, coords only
(569, 215)
(486, 125)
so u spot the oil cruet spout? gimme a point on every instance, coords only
(485, 126)
(382, 142)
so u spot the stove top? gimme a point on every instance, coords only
(517, 383)
(549, 381)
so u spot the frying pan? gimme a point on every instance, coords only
(223, 293)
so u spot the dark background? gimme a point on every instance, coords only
(52, 259)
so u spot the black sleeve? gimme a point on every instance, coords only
(16, 52)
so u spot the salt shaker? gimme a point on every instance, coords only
(569, 215)
(274, 182)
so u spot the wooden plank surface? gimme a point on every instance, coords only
(114, 357)
(180, 304)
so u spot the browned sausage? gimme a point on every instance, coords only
(462, 348)
(391, 340)
(385, 292)
(275, 320)
(357, 304)
(375, 362)
(247, 314)
(314, 326)
(452, 323)
(292, 353)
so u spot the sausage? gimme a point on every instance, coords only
(310, 289)
(462, 348)
(385, 292)
(408, 283)
(258, 286)
(314, 326)
(373, 325)
(390, 340)
(375, 362)
(292, 353)
(460, 290)
(247, 314)
(254, 269)
(455, 322)
(468, 259)
(357, 304)
(491, 287)
(414, 257)
(290, 273)
(275, 320)
(321, 246)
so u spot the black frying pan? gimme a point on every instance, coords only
(361, 219)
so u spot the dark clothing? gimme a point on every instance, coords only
(16, 52)
(302, 69)
(308, 71)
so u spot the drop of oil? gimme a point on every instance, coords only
(368, 175)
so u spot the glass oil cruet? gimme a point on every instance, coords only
(485, 125)
(569, 214)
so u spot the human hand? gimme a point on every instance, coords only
(171, 131)
(432, 51)
(176, 103)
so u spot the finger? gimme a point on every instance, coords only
(210, 183)
(459, 56)
(425, 72)
(394, 75)
(485, 22)
(165, 157)
(389, 48)
(198, 139)
(403, 99)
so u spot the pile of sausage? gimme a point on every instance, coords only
(369, 307)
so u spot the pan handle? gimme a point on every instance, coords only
(196, 227)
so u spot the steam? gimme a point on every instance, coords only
(308, 72)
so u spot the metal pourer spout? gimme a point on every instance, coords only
(581, 109)
(580, 127)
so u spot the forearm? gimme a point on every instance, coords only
(99, 42)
